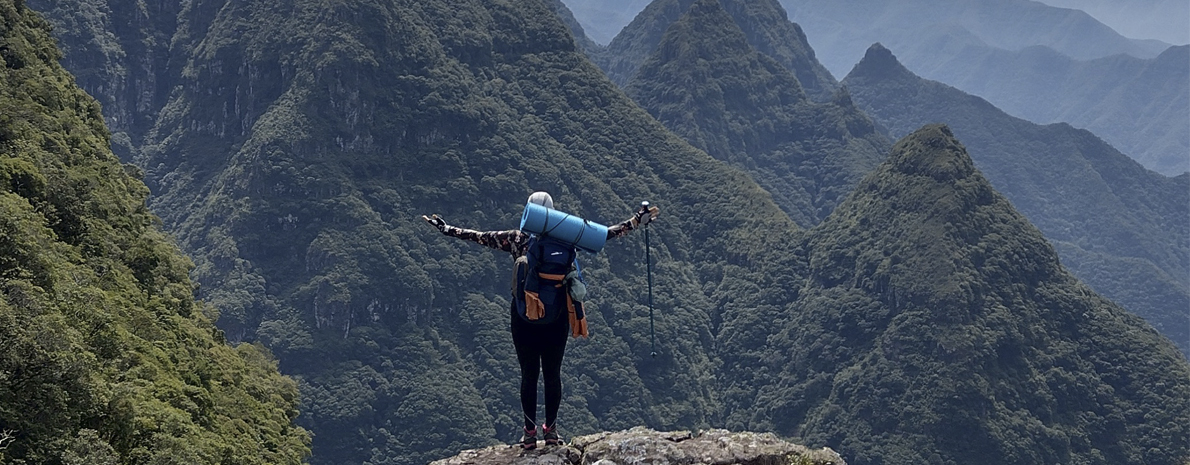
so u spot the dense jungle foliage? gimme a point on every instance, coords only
(105, 357)
(302, 212)
(302, 140)
(935, 325)
(708, 85)
(1119, 227)
(764, 24)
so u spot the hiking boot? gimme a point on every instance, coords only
(529, 440)
(551, 435)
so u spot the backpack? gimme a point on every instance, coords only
(540, 286)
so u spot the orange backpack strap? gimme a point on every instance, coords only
(534, 307)
(578, 321)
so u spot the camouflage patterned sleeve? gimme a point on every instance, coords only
(621, 229)
(512, 241)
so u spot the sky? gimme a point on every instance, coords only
(603, 19)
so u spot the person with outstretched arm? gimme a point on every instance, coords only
(539, 347)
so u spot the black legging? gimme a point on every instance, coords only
(539, 348)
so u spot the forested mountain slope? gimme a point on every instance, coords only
(105, 356)
(1119, 227)
(584, 43)
(764, 24)
(934, 324)
(296, 176)
(302, 141)
(120, 53)
(1033, 61)
(708, 85)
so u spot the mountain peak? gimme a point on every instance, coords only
(712, 11)
(706, 33)
(706, 45)
(878, 62)
(930, 191)
(764, 23)
(932, 151)
(769, 31)
(925, 254)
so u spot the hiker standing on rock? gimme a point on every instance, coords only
(538, 331)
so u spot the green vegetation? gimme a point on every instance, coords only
(935, 325)
(1120, 228)
(302, 214)
(581, 40)
(765, 27)
(305, 138)
(105, 357)
(770, 32)
(118, 53)
(708, 85)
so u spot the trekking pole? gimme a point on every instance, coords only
(649, 270)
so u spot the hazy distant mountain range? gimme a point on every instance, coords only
(706, 83)
(1041, 63)
(764, 25)
(1034, 61)
(1140, 106)
(1121, 228)
(840, 30)
(1164, 20)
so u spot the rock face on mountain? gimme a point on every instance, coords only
(1119, 227)
(645, 446)
(120, 53)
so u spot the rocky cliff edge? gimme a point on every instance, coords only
(640, 445)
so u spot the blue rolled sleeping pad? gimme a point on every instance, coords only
(583, 234)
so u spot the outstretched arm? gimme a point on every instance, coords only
(640, 218)
(511, 241)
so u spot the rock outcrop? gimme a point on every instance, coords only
(645, 446)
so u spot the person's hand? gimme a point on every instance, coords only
(646, 214)
(435, 221)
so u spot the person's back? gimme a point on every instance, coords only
(546, 282)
